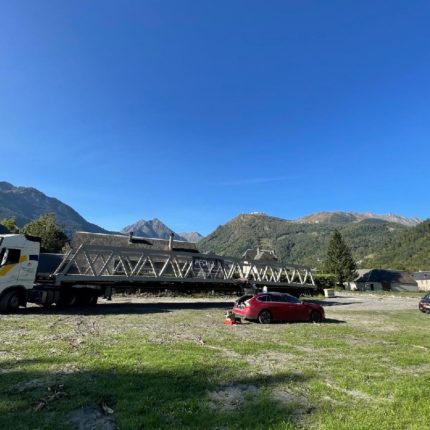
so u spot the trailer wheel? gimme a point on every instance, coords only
(67, 298)
(93, 299)
(10, 301)
(86, 298)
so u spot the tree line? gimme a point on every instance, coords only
(46, 227)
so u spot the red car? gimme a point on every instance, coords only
(268, 307)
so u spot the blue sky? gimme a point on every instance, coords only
(195, 111)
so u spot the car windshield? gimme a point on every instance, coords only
(2, 255)
(427, 296)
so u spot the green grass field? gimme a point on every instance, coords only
(148, 368)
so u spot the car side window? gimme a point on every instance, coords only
(291, 299)
(278, 299)
(263, 298)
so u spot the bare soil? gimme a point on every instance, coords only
(91, 418)
(370, 302)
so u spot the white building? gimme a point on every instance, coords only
(423, 280)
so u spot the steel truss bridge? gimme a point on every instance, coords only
(94, 264)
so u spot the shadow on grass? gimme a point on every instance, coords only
(333, 321)
(165, 398)
(326, 321)
(326, 304)
(112, 308)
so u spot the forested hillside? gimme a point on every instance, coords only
(408, 250)
(298, 243)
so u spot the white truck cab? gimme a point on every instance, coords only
(19, 257)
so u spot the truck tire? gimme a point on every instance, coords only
(10, 301)
(86, 298)
(66, 299)
(93, 300)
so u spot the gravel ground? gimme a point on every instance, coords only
(371, 302)
(345, 301)
(337, 307)
(354, 301)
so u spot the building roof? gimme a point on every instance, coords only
(382, 275)
(362, 272)
(421, 276)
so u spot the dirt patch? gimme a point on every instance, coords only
(269, 362)
(358, 395)
(415, 370)
(56, 377)
(31, 384)
(228, 353)
(91, 418)
(231, 397)
(287, 398)
(333, 401)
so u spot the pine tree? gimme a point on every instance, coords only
(339, 260)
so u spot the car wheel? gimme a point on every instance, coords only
(316, 317)
(265, 317)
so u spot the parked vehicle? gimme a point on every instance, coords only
(424, 304)
(91, 270)
(269, 307)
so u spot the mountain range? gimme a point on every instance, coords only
(341, 217)
(156, 228)
(27, 204)
(386, 241)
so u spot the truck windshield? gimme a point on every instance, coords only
(9, 256)
(2, 252)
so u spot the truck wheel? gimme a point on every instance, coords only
(67, 298)
(10, 301)
(93, 299)
(85, 298)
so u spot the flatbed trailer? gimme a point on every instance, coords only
(90, 271)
